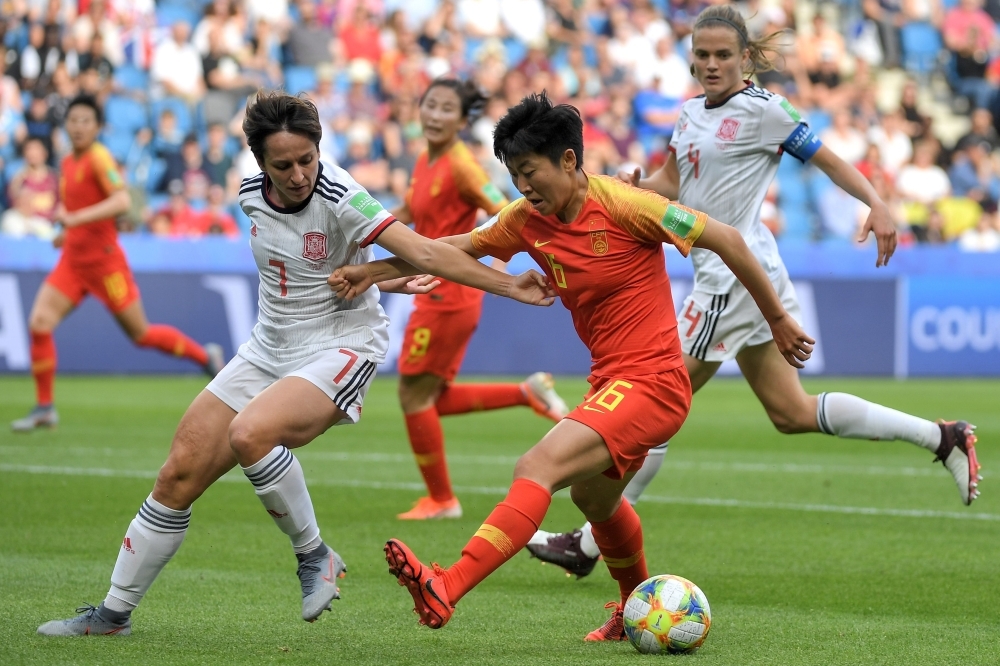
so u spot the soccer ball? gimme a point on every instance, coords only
(667, 614)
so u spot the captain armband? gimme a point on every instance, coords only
(802, 144)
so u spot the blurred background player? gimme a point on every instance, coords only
(308, 365)
(601, 243)
(92, 195)
(447, 190)
(723, 157)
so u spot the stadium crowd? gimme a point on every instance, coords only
(173, 77)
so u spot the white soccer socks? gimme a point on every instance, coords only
(848, 416)
(278, 480)
(153, 537)
(637, 486)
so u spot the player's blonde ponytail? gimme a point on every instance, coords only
(761, 50)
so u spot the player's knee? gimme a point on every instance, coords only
(244, 438)
(40, 324)
(792, 421)
(595, 508)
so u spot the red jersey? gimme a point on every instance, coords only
(443, 199)
(86, 180)
(608, 267)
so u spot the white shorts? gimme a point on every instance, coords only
(344, 375)
(716, 327)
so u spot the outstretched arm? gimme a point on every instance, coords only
(453, 260)
(727, 242)
(116, 204)
(849, 179)
(665, 181)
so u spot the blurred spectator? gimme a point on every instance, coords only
(479, 18)
(309, 42)
(969, 33)
(917, 125)
(177, 66)
(262, 55)
(669, 68)
(273, 12)
(20, 221)
(524, 20)
(216, 220)
(12, 128)
(982, 130)
(97, 19)
(223, 17)
(217, 161)
(888, 17)
(955, 215)
(36, 182)
(370, 171)
(972, 174)
(843, 139)
(655, 116)
(39, 123)
(193, 176)
(359, 36)
(95, 61)
(361, 101)
(920, 185)
(564, 24)
(894, 144)
(177, 218)
(984, 237)
(822, 52)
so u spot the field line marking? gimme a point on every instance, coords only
(680, 465)
(236, 477)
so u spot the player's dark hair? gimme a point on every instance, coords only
(270, 112)
(90, 102)
(537, 126)
(729, 17)
(472, 99)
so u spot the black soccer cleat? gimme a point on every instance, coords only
(563, 550)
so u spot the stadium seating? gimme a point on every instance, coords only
(131, 78)
(299, 79)
(921, 47)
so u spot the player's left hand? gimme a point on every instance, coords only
(350, 281)
(63, 216)
(792, 341)
(416, 284)
(533, 288)
(59, 240)
(880, 222)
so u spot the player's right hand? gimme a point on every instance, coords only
(533, 288)
(350, 281)
(58, 241)
(792, 341)
(630, 178)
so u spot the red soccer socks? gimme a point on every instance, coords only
(620, 541)
(504, 533)
(427, 442)
(171, 341)
(43, 366)
(464, 398)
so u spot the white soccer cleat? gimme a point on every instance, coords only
(540, 391)
(216, 359)
(957, 452)
(39, 417)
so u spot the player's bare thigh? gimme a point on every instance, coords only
(700, 371)
(199, 453)
(51, 306)
(133, 320)
(290, 412)
(569, 453)
(778, 388)
(419, 392)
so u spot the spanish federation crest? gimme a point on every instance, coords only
(728, 129)
(598, 237)
(314, 246)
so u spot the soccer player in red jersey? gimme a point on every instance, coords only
(92, 194)
(447, 190)
(600, 242)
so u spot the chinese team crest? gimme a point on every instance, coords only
(598, 237)
(314, 246)
(728, 129)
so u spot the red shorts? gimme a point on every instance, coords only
(108, 279)
(435, 341)
(635, 413)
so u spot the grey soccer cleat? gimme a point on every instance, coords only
(318, 572)
(89, 622)
(957, 452)
(40, 417)
(216, 359)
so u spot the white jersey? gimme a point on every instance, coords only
(296, 249)
(727, 155)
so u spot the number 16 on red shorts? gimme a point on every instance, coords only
(635, 413)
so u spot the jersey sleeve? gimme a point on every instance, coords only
(475, 187)
(647, 216)
(783, 129)
(105, 170)
(501, 236)
(360, 215)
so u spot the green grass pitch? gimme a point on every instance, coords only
(811, 550)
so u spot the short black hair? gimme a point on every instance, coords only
(472, 100)
(270, 112)
(537, 126)
(89, 101)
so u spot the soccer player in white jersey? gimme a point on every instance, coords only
(307, 366)
(723, 155)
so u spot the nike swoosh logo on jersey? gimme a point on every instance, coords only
(539, 244)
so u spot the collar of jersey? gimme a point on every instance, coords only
(292, 209)
(723, 102)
